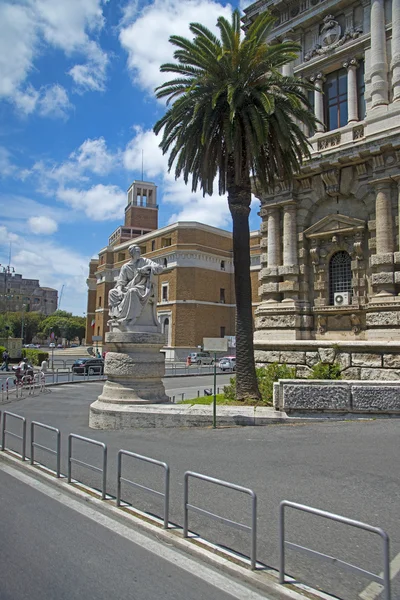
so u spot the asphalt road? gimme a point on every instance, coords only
(50, 550)
(350, 468)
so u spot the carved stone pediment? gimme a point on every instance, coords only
(332, 224)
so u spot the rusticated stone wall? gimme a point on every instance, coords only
(357, 360)
(299, 396)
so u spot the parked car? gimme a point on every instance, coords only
(60, 346)
(89, 366)
(74, 346)
(52, 345)
(200, 358)
(227, 363)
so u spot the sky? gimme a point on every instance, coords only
(77, 109)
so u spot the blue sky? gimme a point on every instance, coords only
(76, 110)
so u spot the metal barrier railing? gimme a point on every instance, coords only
(5, 431)
(34, 444)
(383, 580)
(152, 461)
(71, 460)
(252, 528)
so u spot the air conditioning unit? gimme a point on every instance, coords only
(341, 298)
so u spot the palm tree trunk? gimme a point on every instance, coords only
(239, 199)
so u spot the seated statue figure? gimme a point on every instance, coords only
(132, 290)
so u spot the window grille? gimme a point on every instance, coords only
(339, 274)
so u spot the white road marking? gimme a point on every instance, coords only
(217, 580)
(373, 590)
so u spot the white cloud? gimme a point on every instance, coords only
(93, 156)
(145, 36)
(54, 102)
(28, 26)
(100, 202)
(91, 76)
(187, 206)
(18, 41)
(52, 264)
(42, 225)
(6, 166)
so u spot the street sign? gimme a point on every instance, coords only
(215, 344)
(97, 338)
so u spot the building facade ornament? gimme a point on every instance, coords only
(331, 37)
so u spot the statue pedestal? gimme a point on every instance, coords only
(134, 367)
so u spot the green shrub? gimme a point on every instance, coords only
(266, 376)
(2, 348)
(325, 371)
(35, 357)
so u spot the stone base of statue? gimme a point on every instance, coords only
(134, 367)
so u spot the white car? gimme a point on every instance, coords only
(227, 363)
(52, 345)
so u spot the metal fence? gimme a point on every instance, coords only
(383, 580)
(56, 452)
(5, 431)
(152, 461)
(71, 459)
(252, 528)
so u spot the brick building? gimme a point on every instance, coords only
(196, 290)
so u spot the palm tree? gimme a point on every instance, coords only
(236, 120)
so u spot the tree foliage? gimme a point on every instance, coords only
(233, 116)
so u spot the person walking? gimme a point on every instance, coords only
(6, 360)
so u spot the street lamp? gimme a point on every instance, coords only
(6, 270)
(23, 322)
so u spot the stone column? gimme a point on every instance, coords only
(274, 241)
(379, 68)
(288, 68)
(395, 66)
(289, 235)
(352, 100)
(318, 81)
(382, 262)
(384, 221)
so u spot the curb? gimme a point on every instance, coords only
(264, 580)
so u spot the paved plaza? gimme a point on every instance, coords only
(350, 468)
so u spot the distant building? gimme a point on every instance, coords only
(196, 290)
(18, 294)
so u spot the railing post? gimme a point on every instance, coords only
(282, 543)
(185, 504)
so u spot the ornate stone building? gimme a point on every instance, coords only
(330, 259)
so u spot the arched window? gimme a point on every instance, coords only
(339, 274)
(166, 331)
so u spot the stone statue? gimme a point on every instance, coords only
(132, 291)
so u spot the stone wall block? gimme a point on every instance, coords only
(302, 371)
(266, 356)
(381, 259)
(293, 358)
(288, 270)
(327, 355)
(316, 397)
(382, 318)
(351, 373)
(366, 360)
(381, 278)
(396, 258)
(376, 399)
(278, 321)
(289, 286)
(269, 272)
(343, 360)
(391, 361)
(266, 288)
(397, 277)
(380, 374)
(312, 358)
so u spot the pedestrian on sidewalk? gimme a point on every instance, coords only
(6, 360)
